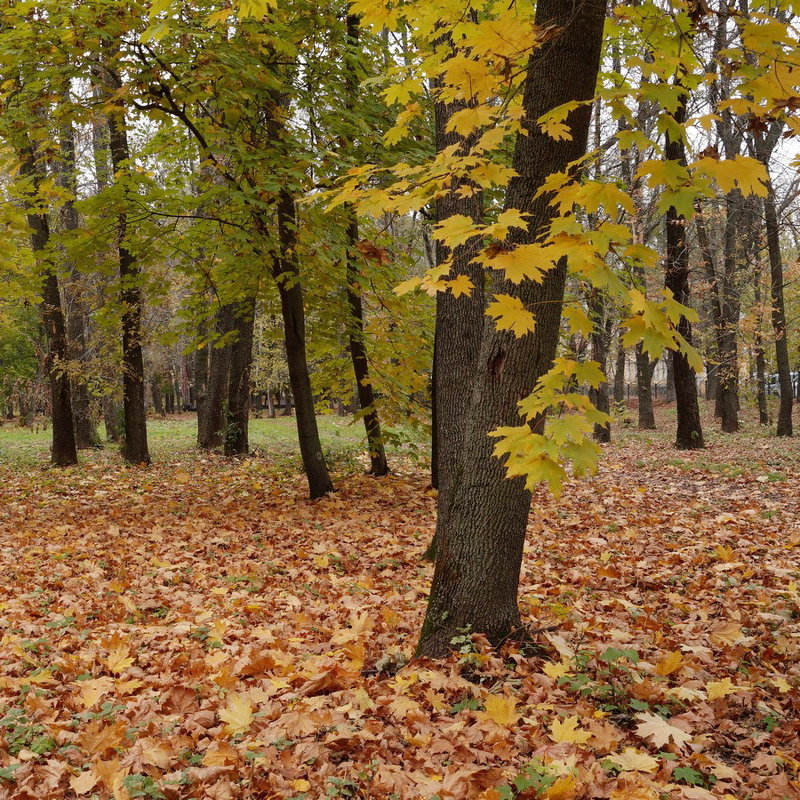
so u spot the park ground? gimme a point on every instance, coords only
(199, 629)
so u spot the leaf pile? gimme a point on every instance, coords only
(200, 630)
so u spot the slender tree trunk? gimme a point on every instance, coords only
(619, 371)
(64, 452)
(482, 532)
(778, 314)
(158, 398)
(689, 435)
(358, 355)
(201, 355)
(85, 430)
(728, 391)
(599, 343)
(287, 276)
(355, 333)
(134, 448)
(761, 362)
(241, 361)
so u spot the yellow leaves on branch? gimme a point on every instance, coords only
(511, 315)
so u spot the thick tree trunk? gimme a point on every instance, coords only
(287, 276)
(482, 532)
(689, 434)
(209, 433)
(86, 435)
(358, 355)
(64, 452)
(238, 408)
(134, 448)
(459, 320)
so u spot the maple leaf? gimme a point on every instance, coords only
(660, 732)
(83, 783)
(568, 731)
(726, 633)
(118, 660)
(455, 230)
(723, 688)
(635, 792)
(511, 315)
(670, 663)
(632, 760)
(501, 709)
(237, 715)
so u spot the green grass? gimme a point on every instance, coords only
(174, 438)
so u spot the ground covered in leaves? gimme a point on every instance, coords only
(199, 629)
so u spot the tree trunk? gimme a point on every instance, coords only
(355, 329)
(241, 361)
(599, 343)
(761, 361)
(209, 434)
(201, 380)
(619, 371)
(64, 452)
(778, 311)
(644, 380)
(459, 320)
(287, 276)
(134, 448)
(358, 355)
(728, 391)
(482, 532)
(158, 399)
(86, 435)
(689, 434)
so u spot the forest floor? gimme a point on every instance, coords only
(199, 629)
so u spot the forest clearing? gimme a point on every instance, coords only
(200, 629)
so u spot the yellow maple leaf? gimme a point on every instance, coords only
(455, 230)
(502, 710)
(237, 715)
(723, 688)
(555, 671)
(568, 731)
(781, 684)
(565, 788)
(511, 315)
(118, 659)
(670, 663)
(469, 119)
(92, 690)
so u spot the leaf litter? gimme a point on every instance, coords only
(201, 630)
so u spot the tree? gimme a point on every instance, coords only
(482, 534)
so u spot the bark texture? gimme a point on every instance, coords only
(689, 434)
(482, 532)
(287, 277)
(241, 362)
(134, 447)
(64, 452)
